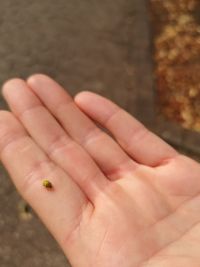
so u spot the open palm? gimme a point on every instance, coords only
(129, 200)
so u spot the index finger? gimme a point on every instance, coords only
(61, 207)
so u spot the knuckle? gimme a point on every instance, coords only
(138, 134)
(91, 136)
(9, 138)
(58, 143)
(111, 116)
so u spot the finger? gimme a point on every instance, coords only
(141, 144)
(59, 208)
(104, 150)
(46, 131)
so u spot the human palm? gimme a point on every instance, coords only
(129, 200)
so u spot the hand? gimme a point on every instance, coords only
(126, 201)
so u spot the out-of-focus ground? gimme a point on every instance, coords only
(103, 46)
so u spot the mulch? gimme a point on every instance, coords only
(176, 27)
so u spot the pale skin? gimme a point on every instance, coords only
(129, 200)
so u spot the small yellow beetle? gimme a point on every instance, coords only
(46, 183)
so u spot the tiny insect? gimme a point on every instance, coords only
(46, 183)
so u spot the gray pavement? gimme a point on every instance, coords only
(103, 46)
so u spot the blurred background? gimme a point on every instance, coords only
(142, 54)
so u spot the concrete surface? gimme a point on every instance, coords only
(101, 46)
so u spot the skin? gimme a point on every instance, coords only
(127, 201)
